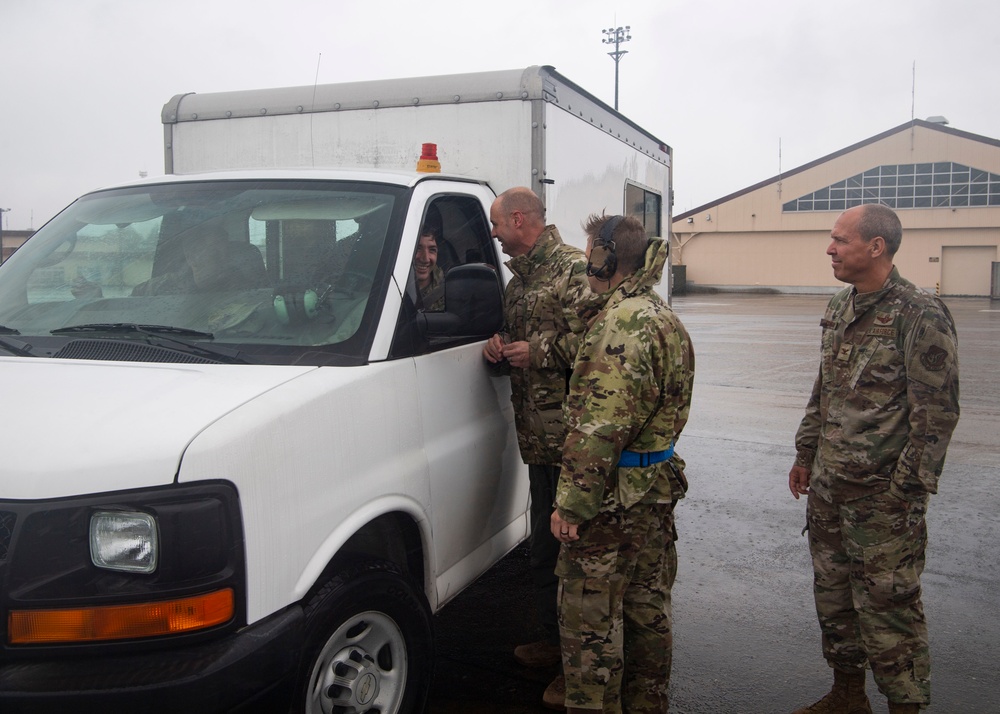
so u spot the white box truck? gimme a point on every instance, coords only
(243, 461)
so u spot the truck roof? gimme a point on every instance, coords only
(387, 176)
(534, 82)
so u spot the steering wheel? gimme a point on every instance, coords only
(353, 281)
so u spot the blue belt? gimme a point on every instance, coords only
(644, 458)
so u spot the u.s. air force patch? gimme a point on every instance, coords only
(883, 332)
(935, 362)
(934, 359)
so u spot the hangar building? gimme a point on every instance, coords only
(943, 183)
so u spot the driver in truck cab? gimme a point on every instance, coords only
(211, 263)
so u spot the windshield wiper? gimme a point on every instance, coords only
(161, 334)
(4, 330)
(15, 347)
(133, 328)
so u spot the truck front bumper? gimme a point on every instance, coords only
(250, 670)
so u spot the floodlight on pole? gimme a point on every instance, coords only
(616, 36)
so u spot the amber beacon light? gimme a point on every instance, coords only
(120, 622)
(428, 163)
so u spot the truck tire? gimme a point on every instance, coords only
(369, 644)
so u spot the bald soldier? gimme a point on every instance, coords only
(543, 303)
(870, 451)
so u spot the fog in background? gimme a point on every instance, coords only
(723, 82)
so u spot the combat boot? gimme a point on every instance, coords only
(847, 696)
(554, 696)
(909, 708)
(539, 654)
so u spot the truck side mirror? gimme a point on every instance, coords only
(473, 302)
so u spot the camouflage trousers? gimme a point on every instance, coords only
(614, 610)
(867, 557)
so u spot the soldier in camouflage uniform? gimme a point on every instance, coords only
(629, 399)
(428, 274)
(869, 453)
(542, 304)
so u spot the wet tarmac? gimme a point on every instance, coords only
(746, 638)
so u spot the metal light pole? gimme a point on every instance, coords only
(616, 36)
(2, 211)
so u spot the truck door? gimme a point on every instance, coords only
(479, 488)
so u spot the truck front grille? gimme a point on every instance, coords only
(7, 520)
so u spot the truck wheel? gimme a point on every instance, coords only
(369, 644)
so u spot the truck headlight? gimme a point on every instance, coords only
(125, 541)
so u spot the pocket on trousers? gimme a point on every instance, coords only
(585, 588)
(892, 568)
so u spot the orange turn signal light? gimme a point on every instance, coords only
(120, 622)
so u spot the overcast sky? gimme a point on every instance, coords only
(723, 82)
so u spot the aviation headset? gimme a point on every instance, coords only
(603, 260)
(295, 305)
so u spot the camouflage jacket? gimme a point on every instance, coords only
(630, 389)
(885, 402)
(542, 307)
(432, 296)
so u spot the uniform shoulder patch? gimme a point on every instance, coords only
(934, 358)
(933, 363)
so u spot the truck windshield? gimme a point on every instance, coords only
(279, 269)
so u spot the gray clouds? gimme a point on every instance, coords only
(721, 81)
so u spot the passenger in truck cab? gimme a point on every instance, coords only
(211, 263)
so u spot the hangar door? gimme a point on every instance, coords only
(966, 269)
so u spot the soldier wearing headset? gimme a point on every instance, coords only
(629, 398)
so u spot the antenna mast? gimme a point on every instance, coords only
(779, 167)
(312, 115)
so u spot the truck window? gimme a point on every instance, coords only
(96, 259)
(283, 269)
(465, 231)
(462, 236)
(646, 205)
